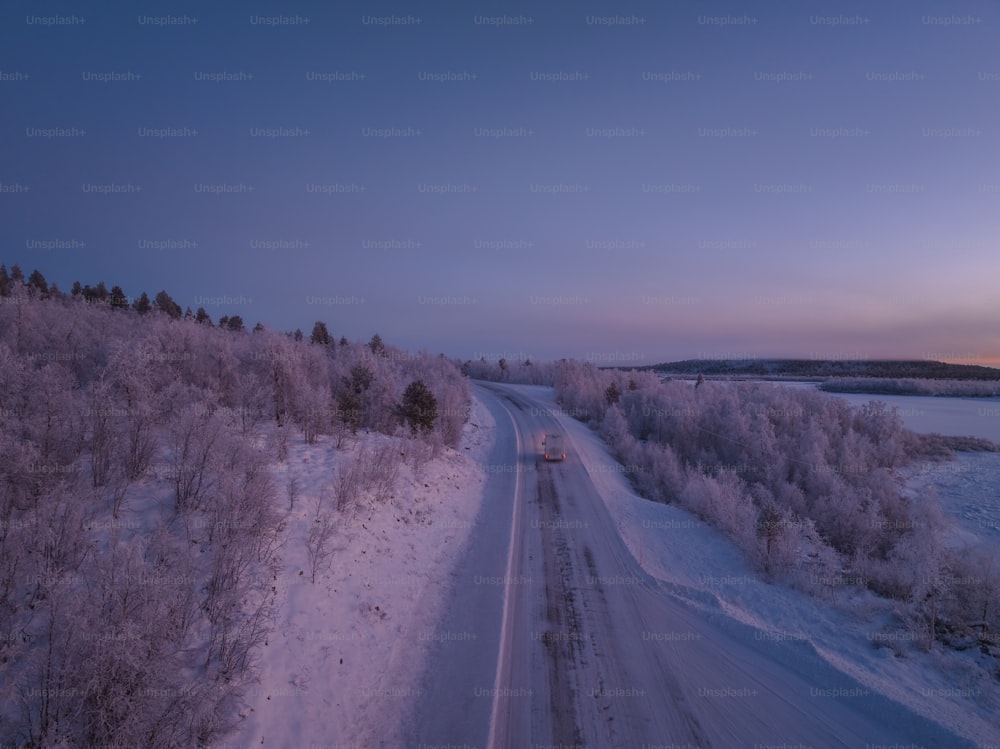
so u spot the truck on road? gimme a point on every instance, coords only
(552, 447)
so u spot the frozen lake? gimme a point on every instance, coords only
(969, 490)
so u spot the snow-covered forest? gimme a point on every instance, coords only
(140, 514)
(522, 371)
(808, 487)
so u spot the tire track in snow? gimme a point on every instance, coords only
(561, 616)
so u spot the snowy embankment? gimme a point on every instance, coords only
(855, 633)
(342, 666)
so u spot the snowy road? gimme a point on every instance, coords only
(594, 652)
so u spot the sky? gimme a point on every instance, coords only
(620, 182)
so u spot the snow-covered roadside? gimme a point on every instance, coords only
(342, 666)
(852, 633)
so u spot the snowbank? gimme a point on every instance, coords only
(342, 666)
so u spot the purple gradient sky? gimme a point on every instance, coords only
(836, 215)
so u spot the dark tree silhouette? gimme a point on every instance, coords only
(350, 409)
(118, 298)
(320, 334)
(37, 281)
(612, 394)
(165, 303)
(361, 378)
(419, 407)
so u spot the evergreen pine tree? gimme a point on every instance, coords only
(320, 334)
(612, 394)
(118, 298)
(166, 304)
(37, 281)
(419, 407)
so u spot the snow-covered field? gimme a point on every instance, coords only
(342, 667)
(855, 635)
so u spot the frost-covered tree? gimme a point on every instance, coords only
(193, 437)
(809, 475)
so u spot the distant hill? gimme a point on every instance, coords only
(920, 369)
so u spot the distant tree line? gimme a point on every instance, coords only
(520, 370)
(884, 386)
(115, 298)
(819, 368)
